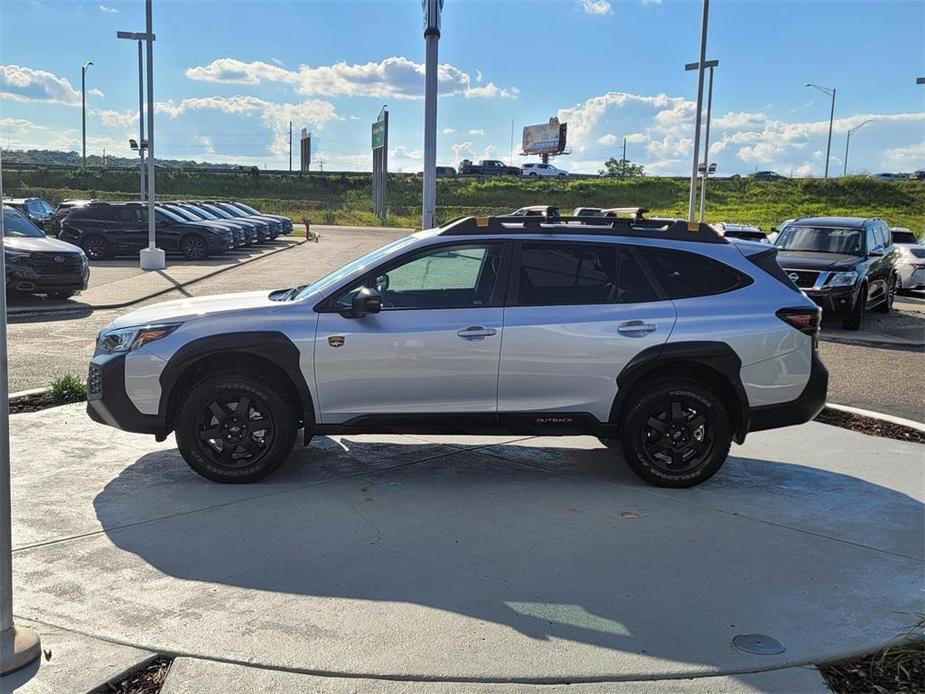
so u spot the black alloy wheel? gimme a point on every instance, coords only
(96, 247)
(194, 247)
(234, 430)
(676, 437)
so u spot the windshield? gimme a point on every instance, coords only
(246, 208)
(170, 214)
(231, 209)
(822, 240)
(180, 212)
(201, 213)
(15, 224)
(218, 211)
(342, 272)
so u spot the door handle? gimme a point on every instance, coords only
(636, 328)
(476, 332)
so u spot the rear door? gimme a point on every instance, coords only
(128, 229)
(577, 313)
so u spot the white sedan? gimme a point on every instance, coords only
(538, 170)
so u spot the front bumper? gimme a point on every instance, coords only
(219, 242)
(803, 409)
(833, 300)
(108, 403)
(25, 279)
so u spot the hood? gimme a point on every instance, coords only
(811, 260)
(38, 244)
(198, 307)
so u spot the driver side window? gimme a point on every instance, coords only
(464, 276)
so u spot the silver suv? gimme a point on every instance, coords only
(657, 336)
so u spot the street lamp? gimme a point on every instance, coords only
(83, 107)
(701, 66)
(139, 37)
(831, 93)
(920, 80)
(432, 9)
(706, 145)
(851, 131)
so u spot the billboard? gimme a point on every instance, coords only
(547, 138)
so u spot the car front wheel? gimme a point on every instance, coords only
(194, 248)
(677, 433)
(854, 319)
(235, 427)
(96, 247)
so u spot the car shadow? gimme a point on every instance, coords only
(551, 543)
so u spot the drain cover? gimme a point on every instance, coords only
(758, 644)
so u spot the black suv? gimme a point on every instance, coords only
(36, 210)
(36, 264)
(844, 264)
(105, 230)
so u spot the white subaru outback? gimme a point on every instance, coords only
(659, 337)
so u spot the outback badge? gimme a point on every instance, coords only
(336, 340)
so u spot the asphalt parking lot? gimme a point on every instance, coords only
(870, 377)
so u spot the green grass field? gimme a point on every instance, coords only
(346, 198)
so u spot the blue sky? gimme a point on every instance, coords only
(229, 76)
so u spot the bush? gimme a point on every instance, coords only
(68, 388)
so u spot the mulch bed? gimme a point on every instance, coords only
(34, 403)
(894, 670)
(147, 679)
(868, 425)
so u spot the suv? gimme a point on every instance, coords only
(65, 207)
(36, 210)
(105, 229)
(657, 336)
(844, 264)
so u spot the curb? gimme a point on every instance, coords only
(24, 394)
(910, 423)
(885, 344)
(102, 307)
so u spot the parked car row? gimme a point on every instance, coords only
(194, 229)
(495, 167)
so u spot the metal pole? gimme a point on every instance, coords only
(692, 199)
(828, 149)
(384, 188)
(623, 172)
(290, 146)
(141, 124)
(706, 148)
(83, 111)
(429, 206)
(151, 258)
(18, 646)
(847, 143)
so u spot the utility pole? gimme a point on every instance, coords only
(623, 173)
(706, 147)
(152, 257)
(139, 37)
(692, 199)
(290, 146)
(431, 10)
(19, 646)
(83, 108)
(830, 92)
(851, 132)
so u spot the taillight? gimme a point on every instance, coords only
(806, 320)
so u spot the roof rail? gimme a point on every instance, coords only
(671, 229)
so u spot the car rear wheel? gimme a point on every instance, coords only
(234, 427)
(854, 319)
(96, 247)
(677, 433)
(194, 247)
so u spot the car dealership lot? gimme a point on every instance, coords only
(484, 559)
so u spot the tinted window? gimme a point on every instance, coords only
(128, 215)
(555, 274)
(822, 239)
(904, 237)
(683, 275)
(14, 224)
(872, 241)
(446, 277)
(883, 235)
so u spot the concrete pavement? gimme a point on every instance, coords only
(480, 560)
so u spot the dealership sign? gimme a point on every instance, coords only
(547, 138)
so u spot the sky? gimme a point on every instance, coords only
(229, 77)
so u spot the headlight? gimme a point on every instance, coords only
(843, 279)
(127, 339)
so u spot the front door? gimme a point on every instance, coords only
(432, 350)
(579, 312)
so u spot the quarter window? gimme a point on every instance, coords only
(683, 275)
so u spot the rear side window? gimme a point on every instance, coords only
(557, 274)
(684, 275)
(767, 261)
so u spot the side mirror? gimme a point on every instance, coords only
(364, 302)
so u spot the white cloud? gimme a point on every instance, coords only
(607, 139)
(25, 84)
(448, 131)
(478, 75)
(393, 78)
(97, 93)
(478, 132)
(18, 126)
(205, 142)
(402, 152)
(596, 6)
(116, 119)
(905, 158)
(355, 118)
(276, 61)
(108, 10)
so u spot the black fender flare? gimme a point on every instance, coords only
(719, 357)
(269, 345)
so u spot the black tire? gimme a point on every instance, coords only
(854, 319)
(95, 247)
(194, 247)
(676, 433)
(533, 174)
(226, 405)
(886, 306)
(60, 295)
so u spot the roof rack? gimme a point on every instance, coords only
(670, 229)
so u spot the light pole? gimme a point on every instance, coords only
(851, 131)
(152, 257)
(830, 91)
(706, 143)
(139, 37)
(432, 9)
(701, 65)
(19, 646)
(83, 107)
